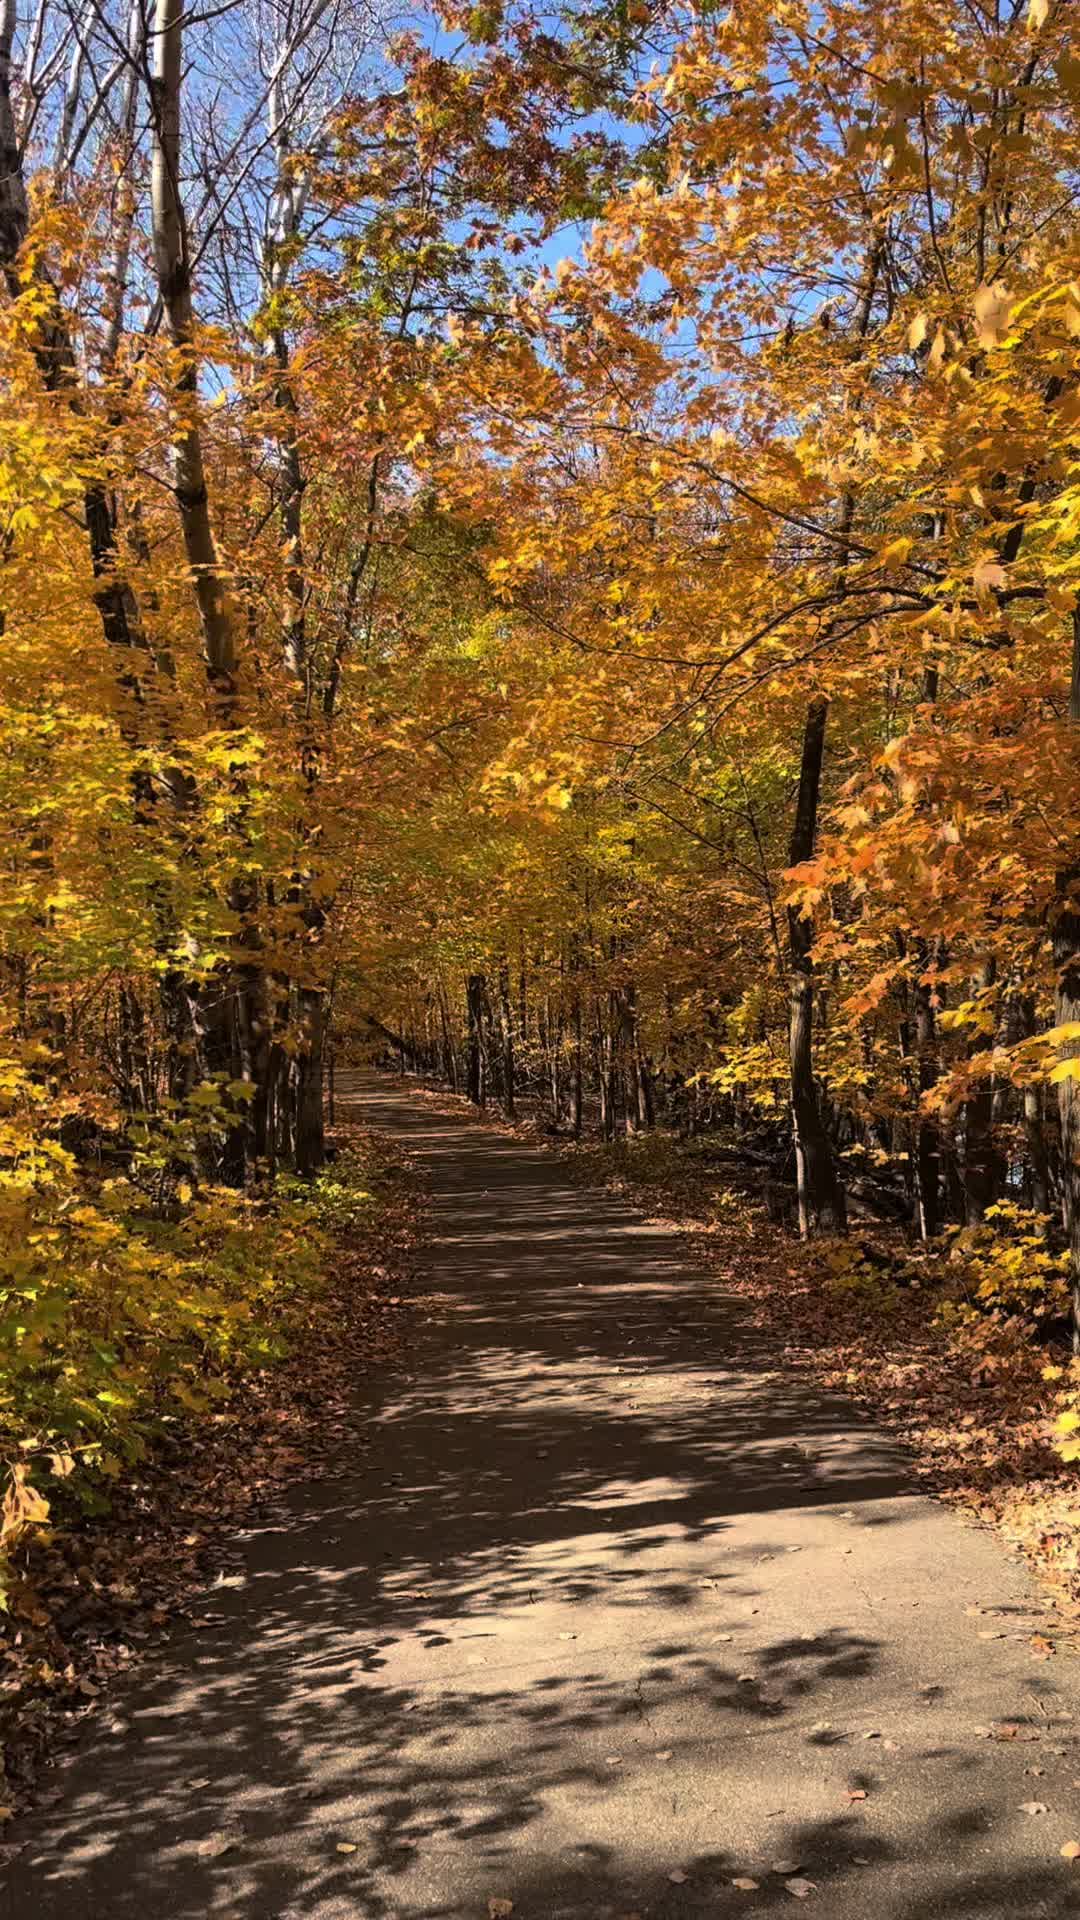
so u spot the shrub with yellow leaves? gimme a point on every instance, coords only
(133, 1299)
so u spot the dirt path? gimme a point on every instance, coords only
(607, 1615)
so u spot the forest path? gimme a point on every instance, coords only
(609, 1614)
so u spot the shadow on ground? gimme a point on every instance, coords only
(607, 1614)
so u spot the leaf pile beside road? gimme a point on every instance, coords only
(94, 1593)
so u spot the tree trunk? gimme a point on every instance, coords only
(509, 1106)
(982, 1165)
(474, 1002)
(449, 1048)
(577, 1090)
(821, 1199)
(605, 1072)
(1066, 945)
(309, 1149)
(14, 211)
(172, 263)
(927, 1142)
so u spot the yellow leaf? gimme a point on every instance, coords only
(1067, 1069)
(993, 308)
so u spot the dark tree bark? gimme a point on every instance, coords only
(1066, 944)
(508, 1063)
(982, 1170)
(476, 1077)
(927, 1141)
(605, 1071)
(821, 1198)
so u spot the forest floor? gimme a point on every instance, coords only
(612, 1611)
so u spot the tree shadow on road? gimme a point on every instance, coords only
(521, 1650)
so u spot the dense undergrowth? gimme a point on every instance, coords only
(134, 1298)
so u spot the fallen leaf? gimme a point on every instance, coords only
(784, 1866)
(745, 1884)
(664, 1754)
(613, 1760)
(1033, 1806)
(802, 1889)
(500, 1909)
(1071, 1850)
(217, 1844)
(346, 1846)
(856, 1793)
(678, 1877)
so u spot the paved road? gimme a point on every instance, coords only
(607, 1602)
